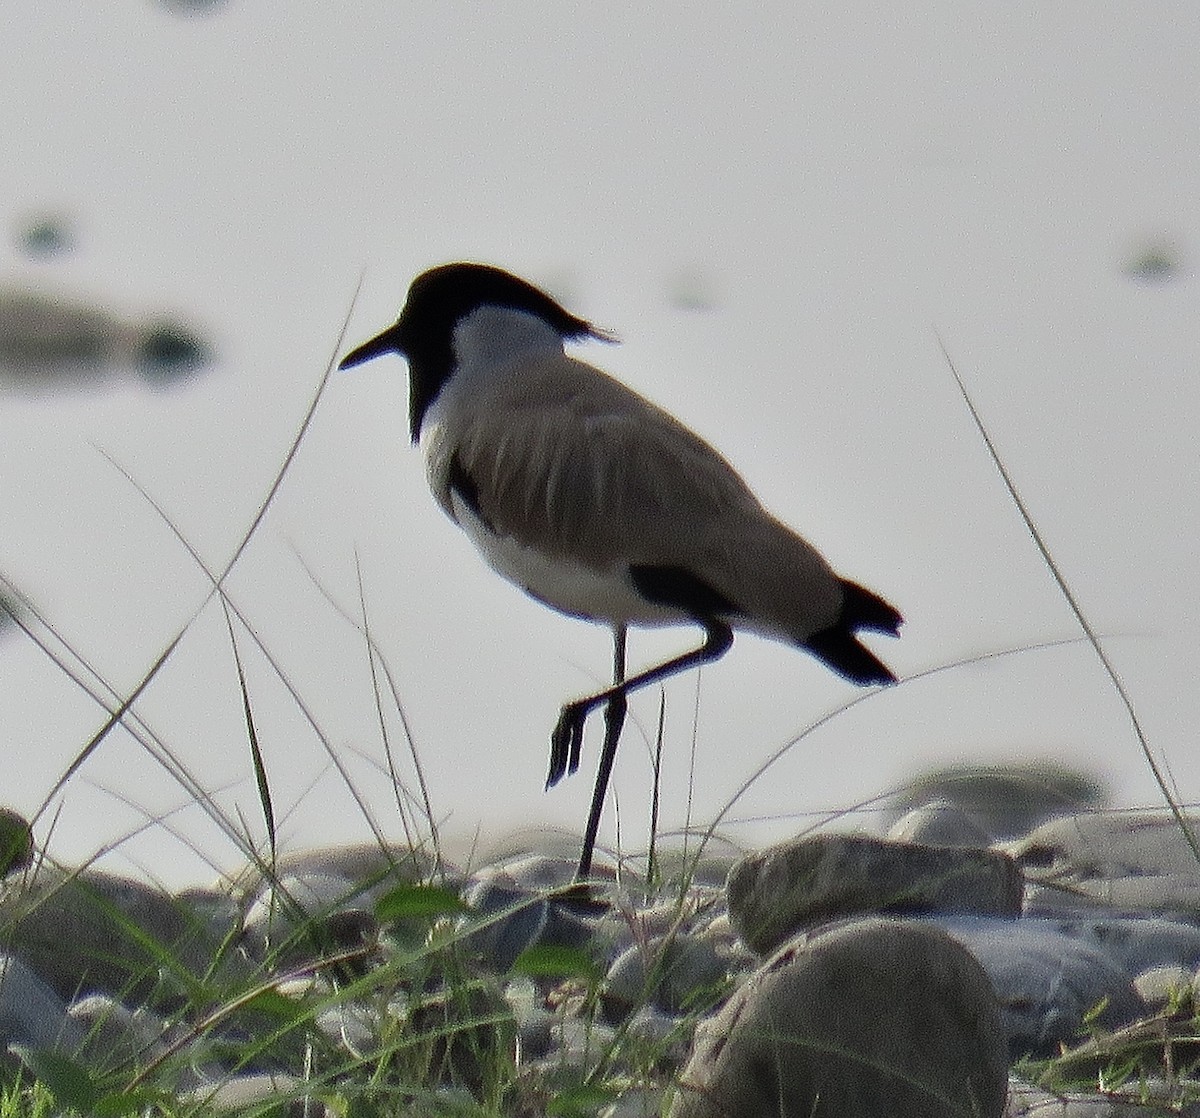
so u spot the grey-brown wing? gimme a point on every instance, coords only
(583, 468)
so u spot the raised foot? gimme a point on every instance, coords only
(566, 742)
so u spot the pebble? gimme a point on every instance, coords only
(31, 1013)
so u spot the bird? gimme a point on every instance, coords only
(601, 504)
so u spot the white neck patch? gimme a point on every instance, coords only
(492, 335)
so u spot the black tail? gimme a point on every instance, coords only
(839, 647)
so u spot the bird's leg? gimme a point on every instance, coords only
(614, 719)
(567, 739)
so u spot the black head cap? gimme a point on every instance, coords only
(437, 301)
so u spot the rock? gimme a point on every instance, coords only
(1006, 800)
(31, 1013)
(361, 863)
(512, 919)
(1047, 981)
(1107, 846)
(1153, 895)
(1133, 943)
(636, 1102)
(116, 1035)
(940, 823)
(495, 850)
(305, 915)
(774, 893)
(1130, 862)
(98, 932)
(241, 1092)
(50, 341)
(16, 842)
(674, 974)
(1139, 1101)
(1160, 987)
(861, 1019)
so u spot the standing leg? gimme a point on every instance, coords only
(614, 719)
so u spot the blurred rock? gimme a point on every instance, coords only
(940, 823)
(306, 915)
(31, 1013)
(364, 864)
(97, 932)
(1133, 862)
(1155, 261)
(1005, 800)
(673, 974)
(16, 842)
(1047, 981)
(192, 7)
(47, 342)
(117, 1035)
(692, 290)
(45, 234)
(165, 351)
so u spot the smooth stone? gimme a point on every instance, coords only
(72, 930)
(695, 860)
(16, 836)
(674, 974)
(535, 872)
(476, 851)
(1110, 845)
(775, 893)
(1047, 981)
(940, 823)
(1028, 1101)
(117, 1036)
(241, 1091)
(533, 1019)
(1005, 800)
(351, 1026)
(855, 1020)
(509, 920)
(1160, 987)
(323, 910)
(637, 1102)
(1134, 943)
(1168, 895)
(579, 1042)
(33, 1014)
(363, 863)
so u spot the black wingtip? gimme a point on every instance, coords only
(840, 650)
(864, 609)
(839, 647)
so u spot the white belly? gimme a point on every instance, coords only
(571, 588)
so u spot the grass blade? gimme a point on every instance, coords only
(1068, 594)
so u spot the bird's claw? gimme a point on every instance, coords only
(566, 742)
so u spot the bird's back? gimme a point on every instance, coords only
(568, 460)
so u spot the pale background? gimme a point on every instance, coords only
(779, 208)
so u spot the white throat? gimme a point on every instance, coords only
(492, 336)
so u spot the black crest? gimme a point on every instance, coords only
(437, 301)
